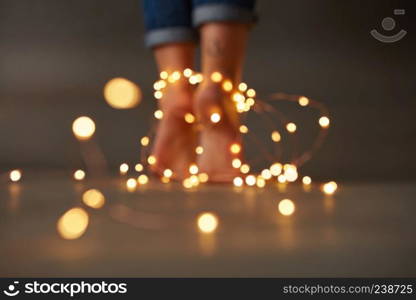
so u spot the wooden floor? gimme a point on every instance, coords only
(363, 230)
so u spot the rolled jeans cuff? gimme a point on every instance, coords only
(208, 13)
(157, 37)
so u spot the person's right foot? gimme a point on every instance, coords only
(217, 138)
(175, 141)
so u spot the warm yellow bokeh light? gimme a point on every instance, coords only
(72, 224)
(330, 187)
(158, 95)
(131, 184)
(306, 180)
(167, 173)
(324, 122)
(245, 168)
(250, 180)
(164, 75)
(236, 163)
(215, 117)
(276, 136)
(203, 177)
(187, 183)
(83, 128)
(303, 101)
(199, 150)
(242, 87)
(291, 127)
(15, 175)
(187, 72)
(124, 168)
(238, 181)
(286, 207)
(79, 174)
(266, 174)
(261, 182)
(138, 167)
(281, 178)
(207, 222)
(158, 114)
(93, 198)
(193, 169)
(276, 169)
(145, 141)
(216, 77)
(189, 118)
(143, 179)
(251, 93)
(235, 148)
(227, 86)
(243, 129)
(291, 172)
(121, 93)
(151, 160)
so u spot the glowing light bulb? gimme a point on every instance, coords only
(164, 75)
(286, 207)
(193, 169)
(131, 184)
(266, 174)
(261, 182)
(189, 118)
(251, 93)
(324, 122)
(151, 160)
(291, 127)
(79, 174)
(167, 173)
(83, 128)
(303, 101)
(245, 168)
(187, 183)
(145, 141)
(276, 136)
(143, 179)
(276, 169)
(216, 77)
(306, 180)
(73, 224)
(203, 177)
(121, 93)
(164, 179)
(227, 86)
(235, 148)
(93, 198)
(291, 172)
(15, 175)
(238, 181)
(243, 129)
(281, 178)
(187, 72)
(158, 95)
(158, 114)
(236, 163)
(199, 150)
(242, 87)
(124, 168)
(330, 187)
(215, 117)
(138, 167)
(250, 180)
(207, 222)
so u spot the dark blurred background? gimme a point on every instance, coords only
(56, 56)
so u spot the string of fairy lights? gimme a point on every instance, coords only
(121, 93)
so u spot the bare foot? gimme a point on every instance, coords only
(217, 138)
(175, 141)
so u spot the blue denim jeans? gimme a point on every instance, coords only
(173, 21)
